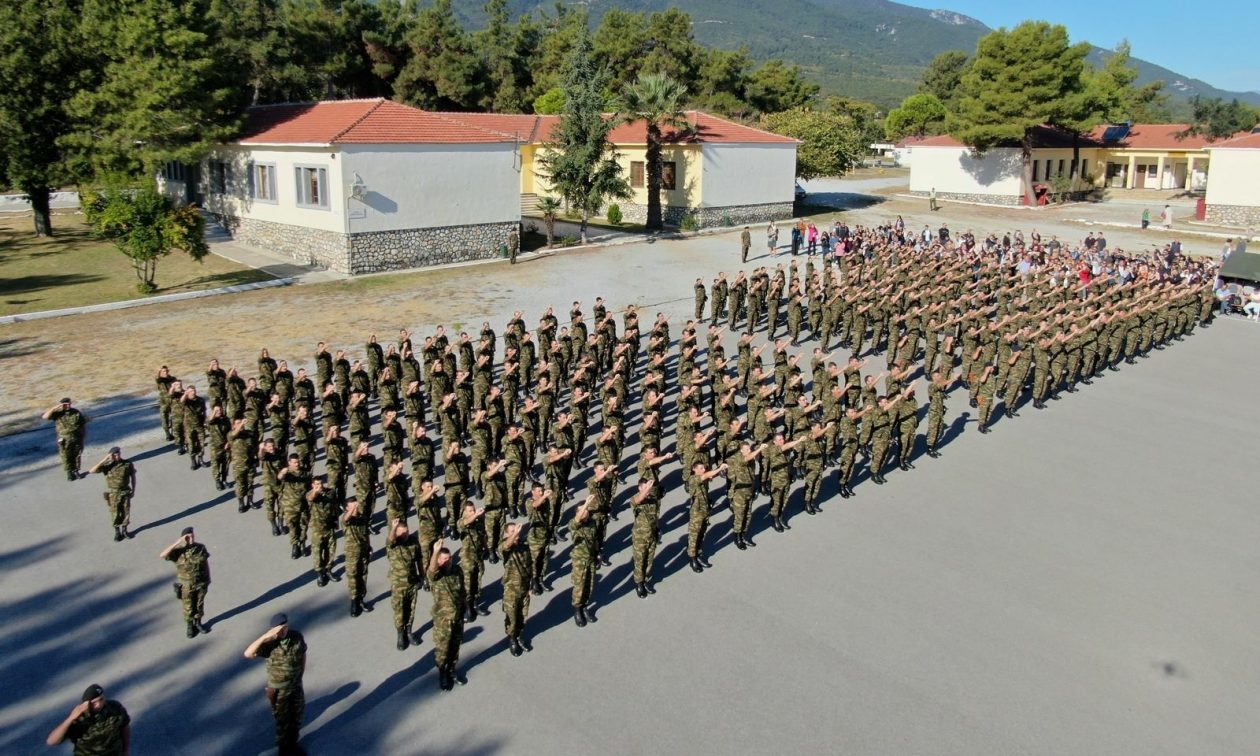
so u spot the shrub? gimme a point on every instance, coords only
(689, 223)
(614, 214)
(727, 222)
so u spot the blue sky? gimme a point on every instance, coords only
(1213, 41)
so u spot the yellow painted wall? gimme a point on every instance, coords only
(689, 177)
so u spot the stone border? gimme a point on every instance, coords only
(1241, 216)
(129, 303)
(709, 217)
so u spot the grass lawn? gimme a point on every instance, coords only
(72, 268)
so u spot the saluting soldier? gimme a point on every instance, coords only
(97, 725)
(285, 652)
(447, 586)
(71, 428)
(516, 584)
(403, 550)
(192, 565)
(120, 482)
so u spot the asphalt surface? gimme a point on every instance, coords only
(1082, 580)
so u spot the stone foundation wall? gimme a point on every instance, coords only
(1233, 215)
(708, 217)
(309, 246)
(376, 251)
(371, 252)
(985, 199)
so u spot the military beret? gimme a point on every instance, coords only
(280, 618)
(93, 692)
(186, 531)
(115, 450)
(65, 400)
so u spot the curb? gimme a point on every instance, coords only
(1182, 231)
(129, 303)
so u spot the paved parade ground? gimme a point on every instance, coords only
(1082, 580)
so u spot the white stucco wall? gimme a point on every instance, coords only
(747, 174)
(956, 170)
(1234, 178)
(431, 185)
(236, 200)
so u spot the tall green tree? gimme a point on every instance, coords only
(386, 44)
(1216, 119)
(444, 71)
(918, 115)
(777, 86)
(943, 76)
(145, 226)
(657, 101)
(165, 94)
(1021, 79)
(508, 48)
(580, 162)
(830, 142)
(1113, 95)
(561, 29)
(722, 86)
(41, 60)
(255, 36)
(867, 118)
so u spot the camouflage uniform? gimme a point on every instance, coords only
(120, 476)
(698, 522)
(358, 553)
(100, 733)
(447, 586)
(192, 568)
(404, 577)
(583, 557)
(286, 663)
(645, 536)
(516, 580)
(71, 428)
(323, 511)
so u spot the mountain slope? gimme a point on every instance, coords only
(871, 49)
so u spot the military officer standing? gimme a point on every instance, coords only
(285, 652)
(71, 428)
(192, 565)
(120, 480)
(97, 725)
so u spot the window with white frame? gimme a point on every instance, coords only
(262, 182)
(312, 186)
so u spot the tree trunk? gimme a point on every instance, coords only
(654, 178)
(582, 233)
(40, 197)
(1075, 173)
(550, 222)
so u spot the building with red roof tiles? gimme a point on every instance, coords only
(1122, 156)
(360, 186)
(1233, 194)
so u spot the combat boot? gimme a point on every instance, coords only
(579, 617)
(739, 542)
(275, 526)
(985, 429)
(323, 578)
(537, 588)
(704, 562)
(845, 492)
(514, 646)
(696, 566)
(295, 552)
(192, 630)
(195, 464)
(933, 453)
(404, 640)
(456, 677)
(776, 524)
(118, 534)
(444, 679)
(200, 627)
(356, 607)
(470, 613)
(182, 449)
(640, 591)
(179, 590)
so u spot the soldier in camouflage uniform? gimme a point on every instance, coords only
(194, 410)
(164, 381)
(582, 557)
(71, 428)
(324, 508)
(294, 483)
(403, 550)
(701, 506)
(367, 474)
(779, 470)
(740, 482)
(645, 535)
(540, 534)
(813, 460)
(244, 450)
(516, 584)
(701, 298)
(271, 462)
(938, 387)
(217, 429)
(358, 553)
(192, 565)
(472, 556)
(120, 480)
(95, 726)
(285, 652)
(447, 585)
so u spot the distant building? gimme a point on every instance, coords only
(1151, 156)
(1233, 194)
(360, 186)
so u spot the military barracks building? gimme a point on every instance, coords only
(360, 186)
(1125, 156)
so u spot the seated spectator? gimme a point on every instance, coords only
(1252, 308)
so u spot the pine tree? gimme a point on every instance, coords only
(444, 71)
(1020, 80)
(165, 94)
(580, 162)
(41, 60)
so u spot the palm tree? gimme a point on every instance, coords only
(657, 100)
(549, 206)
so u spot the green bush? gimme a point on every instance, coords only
(727, 222)
(689, 223)
(614, 214)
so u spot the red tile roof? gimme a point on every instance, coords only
(1154, 136)
(702, 128)
(1043, 137)
(944, 140)
(376, 121)
(1249, 141)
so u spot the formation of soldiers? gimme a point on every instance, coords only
(481, 438)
